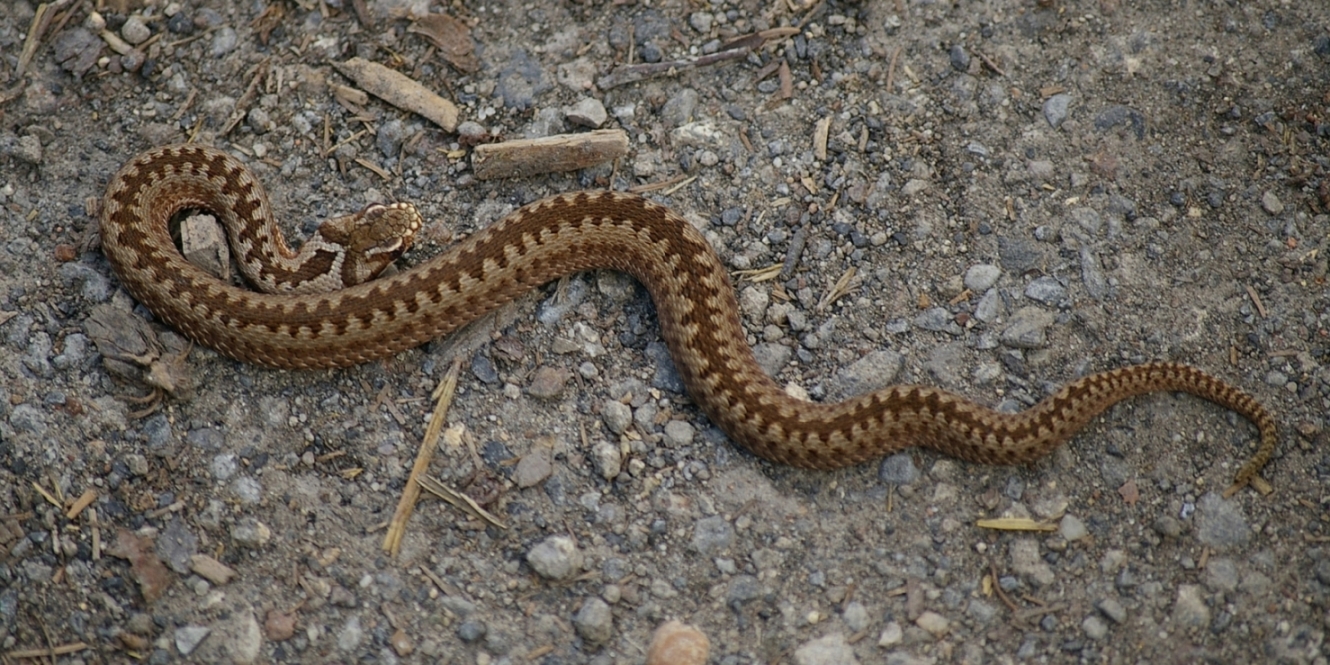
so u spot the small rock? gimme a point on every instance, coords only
(279, 626)
(1072, 529)
(1271, 203)
(594, 621)
(188, 638)
(617, 416)
(914, 186)
(1026, 561)
(981, 277)
(1027, 328)
(1190, 610)
(677, 644)
(548, 382)
(1046, 290)
(533, 469)
(1112, 609)
(855, 616)
(1168, 526)
(134, 31)
(712, 535)
(1094, 628)
(250, 532)
(402, 643)
(679, 433)
(351, 635)
(472, 630)
(1221, 574)
(555, 558)
(871, 372)
(829, 650)
(608, 459)
(934, 623)
(587, 113)
(899, 469)
(892, 634)
(1055, 109)
(1219, 523)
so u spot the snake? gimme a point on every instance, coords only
(327, 306)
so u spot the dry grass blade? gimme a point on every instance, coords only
(443, 396)
(1015, 524)
(458, 500)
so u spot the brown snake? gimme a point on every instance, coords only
(539, 243)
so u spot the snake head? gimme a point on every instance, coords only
(372, 238)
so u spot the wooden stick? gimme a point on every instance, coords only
(552, 154)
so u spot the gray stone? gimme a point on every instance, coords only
(898, 469)
(1190, 610)
(1046, 290)
(1027, 328)
(1026, 561)
(743, 588)
(989, 307)
(1095, 628)
(188, 638)
(587, 113)
(94, 288)
(594, 621)
(250, 532)
(679, 109)
(617, 416)
(712, 535)
(472, 630)
(855, 616)
(1219, 522)
(1055, 109)
(1221, 574)
(1072, 528)
(351, 635)
(772, 357)
(176, 545)
(937, 319)
(555, 558)
(534, 467)
(679, 433)
(608, 459)
(1113, 609)
(666, 376)
(871, 372)
(981, 277)
(828, 650)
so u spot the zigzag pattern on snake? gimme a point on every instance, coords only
(541, 242)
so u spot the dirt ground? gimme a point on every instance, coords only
(1027, 191)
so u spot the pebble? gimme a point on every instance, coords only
(855, 616)
(533, 468)
(772, 357)
(892, 634)
(679, 433)
(678, 644)
(1026, 561)
(981, 277)
(617, 416)
(134, 31)
(1055, 109)
(743, 588)
(914, 186)
(934, 623)
(555, 558)
(95, 288)
(827, 650)
(1094, 627)
(1219, 523)
(1221, 574)
(608, 459)
(587, 113)
(188, 638)
(871, 372)
(1271, 203)
(1027, 328)
(712, 535)
(472, 630)
(702, 21)
(1046, 290)
(1072, 528)
(1190, 610)
(989, 307)
(351, 635)
(548, 382)
(898, 469)
(224, 41)
(279, 626)
(679, 109)
(1113, 609)
(249, 532)
(937, 319)
(594, 621)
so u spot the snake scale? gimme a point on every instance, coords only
(696, 305)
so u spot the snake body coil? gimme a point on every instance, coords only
(546, 240)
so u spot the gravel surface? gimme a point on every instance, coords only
(1026, 192)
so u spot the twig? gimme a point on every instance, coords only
(392, 540)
